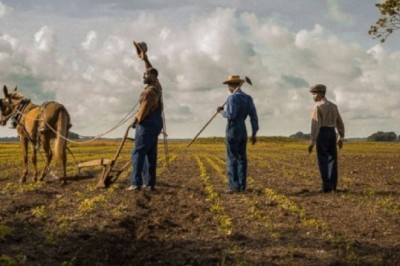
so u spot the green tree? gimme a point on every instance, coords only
(383, 136)
(300, 135)
(389, 20)
(72, 135)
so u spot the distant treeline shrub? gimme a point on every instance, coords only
(9, 139)
(212, 140)
(300, 135)
(383, 136)
(72, 135)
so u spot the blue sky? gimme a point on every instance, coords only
(80, 53)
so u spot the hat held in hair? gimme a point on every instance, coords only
(141, 48)
(233, 79)
(318, 88)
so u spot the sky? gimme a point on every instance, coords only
(80, 53)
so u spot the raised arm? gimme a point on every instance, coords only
(146, 61)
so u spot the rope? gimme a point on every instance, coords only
(36, 147)
(165, 135)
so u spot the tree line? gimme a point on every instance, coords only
(71, 135)
(378, 136)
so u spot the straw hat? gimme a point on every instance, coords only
(318, 88)
(233, 79)
(141, 48)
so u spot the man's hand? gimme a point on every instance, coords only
(220, 108)
(310, 148)
(143, 56)
(253, 140)
(340, 143)
(134, 123)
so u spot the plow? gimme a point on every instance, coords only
(111, 171)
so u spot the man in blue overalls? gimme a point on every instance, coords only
(325, 118)
(239, 105)
(148, 124)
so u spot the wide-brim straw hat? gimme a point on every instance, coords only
(233, 79)
(141, 47)
(318, 88)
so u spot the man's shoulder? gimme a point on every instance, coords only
(241, 94)
(327, 102)
(248, 97)
(324, 102)
(154, 88)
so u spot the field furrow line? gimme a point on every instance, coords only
(217, 207)
(225, 221)
(253, 211)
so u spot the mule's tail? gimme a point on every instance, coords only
(60, 144)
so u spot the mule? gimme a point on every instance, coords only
(35, 125)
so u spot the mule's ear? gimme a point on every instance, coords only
(5, 90)
(15, 88)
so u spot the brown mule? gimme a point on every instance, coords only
(37, 124)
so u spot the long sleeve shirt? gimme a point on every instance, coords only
(240, 105)
(149, 101)
(325, 114)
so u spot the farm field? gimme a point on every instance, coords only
(282, 219)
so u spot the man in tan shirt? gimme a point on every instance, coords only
(324, 119)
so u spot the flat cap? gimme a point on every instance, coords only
(318, 88)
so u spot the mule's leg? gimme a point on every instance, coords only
(34, 163)
(24, 145)
(49, 156)
(64, 166)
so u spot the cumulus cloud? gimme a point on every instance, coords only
(4, 9)
(7, 45)
(336, 14)
(304, 38)
(91, 41)
(100, 79)
(377, 52)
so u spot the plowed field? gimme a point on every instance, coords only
(282, 219)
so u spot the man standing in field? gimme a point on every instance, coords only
(239, 105)
(148, 123)
(324, 119)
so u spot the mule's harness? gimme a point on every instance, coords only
(17, 114)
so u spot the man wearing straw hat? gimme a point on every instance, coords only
(324, 119)
(148, 124)
(239, 105)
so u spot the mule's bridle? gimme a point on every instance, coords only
(16, 114)
(5, 118)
